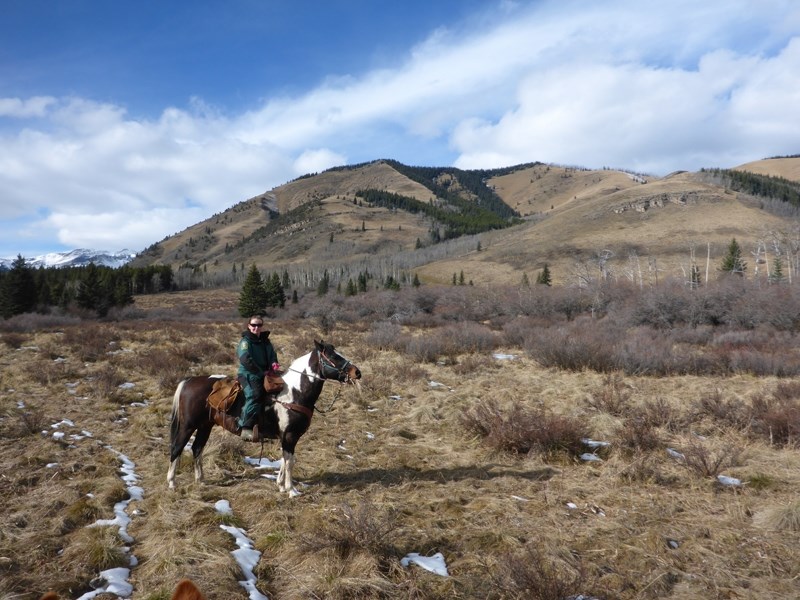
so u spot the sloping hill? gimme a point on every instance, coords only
(582, 223)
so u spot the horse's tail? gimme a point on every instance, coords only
(175, 418)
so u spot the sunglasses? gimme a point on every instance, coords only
(256, 324)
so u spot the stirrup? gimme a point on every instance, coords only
(247, 434)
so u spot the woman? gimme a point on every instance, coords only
(257, 357)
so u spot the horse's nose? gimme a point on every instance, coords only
(358, 373)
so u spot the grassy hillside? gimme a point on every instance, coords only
(580, 222)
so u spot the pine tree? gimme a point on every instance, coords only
(275, 296)
(253, 297)
(732, 261)
(525, 281)
(777, 271)
(18, 289)
(544, 277)
(415, 281)
(324, 284)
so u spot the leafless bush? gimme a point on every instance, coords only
(90, 342)
(613, 397)
(166, 368)
(778, 364)
(46, 372)
(104, 383)
(700, 459)
(426, 348)
(360, 528)
(638, 435)
(732, 412)
(532, 575)
(468, 337)
(30, 322)
(22, 423)
(659, 413)
(385, 335)
(778, 419)
(13, 339)
(519, 430)
(582, 344)
(474, 364)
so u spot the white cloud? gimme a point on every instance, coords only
(316, 161)
(648, 86)
(24, 109)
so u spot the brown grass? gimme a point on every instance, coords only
(482, 468)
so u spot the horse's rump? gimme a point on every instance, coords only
(223, 393)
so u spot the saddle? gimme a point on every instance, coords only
(223, 393)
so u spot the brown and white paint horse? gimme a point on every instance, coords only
(185, 590)
(286, 420)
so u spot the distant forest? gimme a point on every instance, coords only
(93, 288)
(765, 186)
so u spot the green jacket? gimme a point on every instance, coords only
(256, 354)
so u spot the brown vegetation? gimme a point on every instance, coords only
(447, 448)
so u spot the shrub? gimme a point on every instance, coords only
(531, 575)
(612, 398)
(638, 435)
(777, 421)
(703, 461)
(519, 430)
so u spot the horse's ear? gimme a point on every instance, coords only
(186, 590)
(319, 344)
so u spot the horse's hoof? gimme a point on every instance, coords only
(247, 435)
(293, 493)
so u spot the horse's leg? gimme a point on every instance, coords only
(285, 480)
(179, 434)
(200, 439)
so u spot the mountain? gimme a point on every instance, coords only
(386, 218)
(76, 258)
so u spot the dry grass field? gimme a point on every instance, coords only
(472, 450)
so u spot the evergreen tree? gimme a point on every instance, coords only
(253, 297)
(324, 284)
(544, 277)
(415, 281)
(285, 282)
(391, 283)
(455, 279)
(461, 278)
(294, 296)
(18, 289)
(350, 290)
(88, 296)
(275, 295)
(777, 271)
(362, 282)
(732, 262)
(525, 281)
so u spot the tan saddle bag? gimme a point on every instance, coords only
(223, 393)
(274, 384)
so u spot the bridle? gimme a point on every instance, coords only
(329, 371)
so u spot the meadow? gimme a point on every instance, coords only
(471, 436)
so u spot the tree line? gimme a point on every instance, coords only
(24, 288)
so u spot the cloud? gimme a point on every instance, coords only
(654, 88)
(23, 109)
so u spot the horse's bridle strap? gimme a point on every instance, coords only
(298, 408)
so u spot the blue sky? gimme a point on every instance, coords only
(122, 123)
